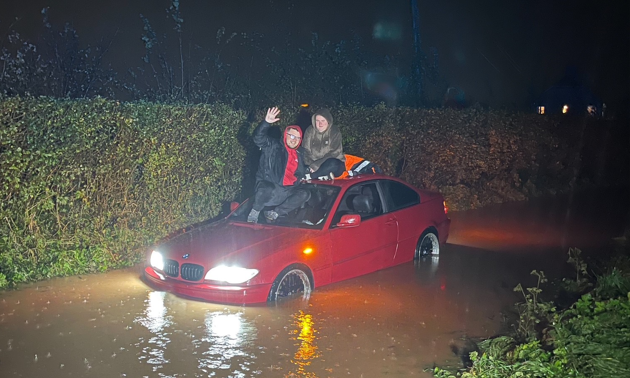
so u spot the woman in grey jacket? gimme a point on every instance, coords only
(323, 148)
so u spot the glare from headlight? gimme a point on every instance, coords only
(156, 260)
(231, 274)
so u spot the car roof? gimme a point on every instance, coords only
(349, 181)
(346, 182)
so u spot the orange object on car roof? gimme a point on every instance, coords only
(353, 166)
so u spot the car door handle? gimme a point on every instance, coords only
(391, 221)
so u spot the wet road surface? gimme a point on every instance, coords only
(394, 323)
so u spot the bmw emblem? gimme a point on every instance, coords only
(186, 256)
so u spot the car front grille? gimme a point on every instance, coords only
(192, 272)
(171, 268)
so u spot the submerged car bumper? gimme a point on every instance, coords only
(232, 294)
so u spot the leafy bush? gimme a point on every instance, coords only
(535, 315)
(473, 157)
(590, 339)
(594, 337)
(502, 359)
(87, 185)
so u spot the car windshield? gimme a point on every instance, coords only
(312, 214)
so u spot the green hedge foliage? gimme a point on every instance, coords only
(86, 186)
(474, 157)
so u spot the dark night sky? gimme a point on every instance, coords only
(500, 52)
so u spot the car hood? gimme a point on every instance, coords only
(228, 242)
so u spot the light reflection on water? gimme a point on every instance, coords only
(307, 350)
(221, 350)
(225, 345)
(155, 319)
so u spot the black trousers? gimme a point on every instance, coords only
(283, 198)
(333, 165)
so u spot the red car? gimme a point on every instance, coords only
(347, 228)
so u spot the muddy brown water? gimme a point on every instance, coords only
(393, 323)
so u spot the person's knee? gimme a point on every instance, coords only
(264, 188)
(264, 191)
(264, 184)
(330, 165)
(261, 197)
(338, 167)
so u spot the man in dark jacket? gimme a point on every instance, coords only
(280, 170)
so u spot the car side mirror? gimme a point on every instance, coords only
(233, 206)
(349, 220)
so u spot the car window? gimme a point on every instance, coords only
(362, 199)
(398, 195)
(312, 214)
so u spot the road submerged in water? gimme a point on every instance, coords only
(395, 323)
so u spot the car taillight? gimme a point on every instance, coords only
(445, 208)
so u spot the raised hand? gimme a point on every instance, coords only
(272, 115)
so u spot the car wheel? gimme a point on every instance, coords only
(428, 245)
(292, 282)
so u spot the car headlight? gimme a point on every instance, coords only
(231, 274)
(157, 261)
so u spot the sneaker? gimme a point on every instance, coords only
(330, 176)
(271, 215)
(253, 216)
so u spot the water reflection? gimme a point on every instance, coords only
(155, 319)
(224, 325)
(429, 263)
(225, 345)
(307, 347)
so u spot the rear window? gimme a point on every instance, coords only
(399, 195)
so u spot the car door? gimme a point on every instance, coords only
(366, 247)
(403, 203)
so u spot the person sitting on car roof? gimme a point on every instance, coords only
(279, 172)
(323, 147)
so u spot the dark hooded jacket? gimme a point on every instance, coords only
(273, 161)
(321, 146)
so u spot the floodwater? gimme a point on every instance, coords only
(394, 323)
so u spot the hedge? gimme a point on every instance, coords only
(86, 185)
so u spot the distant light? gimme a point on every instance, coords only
(304, 105)
(541, 110)
(307, 251)
(565, 109)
